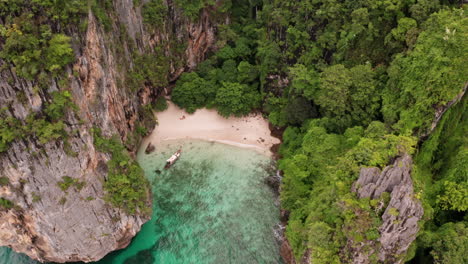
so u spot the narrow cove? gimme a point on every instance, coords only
(212, 206)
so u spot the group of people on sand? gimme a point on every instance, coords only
(182, 118)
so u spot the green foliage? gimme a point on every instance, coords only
(454, 196)
(9, 131)
(402, 32)
(30, 43)
(149, 70)
(431, 75)
(68, 182)
(35, 197)
(228, 81)
(353, 65)
(361, 219)
(298, 110)
(332, 71)
(45, 128)
(448, 244)
(126, 186)
(319, 168)
(275, 106)
(191, 8)
(393, 211)
(4, 181)
(160, 104)
(46, 131)
(440, 178)
(154, 12)
(304, 81)
(6, 204)
(63, 11)
(101, 9)
(235, 99)
(61, 102)
(292, 141)
(58, 53)
(451, 244)
(348, 96)
(192, 92)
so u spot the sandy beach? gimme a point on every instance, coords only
(250, 131)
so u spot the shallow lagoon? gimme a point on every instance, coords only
(212, 206)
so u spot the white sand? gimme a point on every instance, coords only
(251, 131)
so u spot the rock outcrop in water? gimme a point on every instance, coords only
(50, 224)
(401, 215)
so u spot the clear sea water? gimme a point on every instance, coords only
(212, 206)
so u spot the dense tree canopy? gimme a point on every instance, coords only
(353, 83)
(356, 84)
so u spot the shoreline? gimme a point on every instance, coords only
(226, 142)
(252, 131)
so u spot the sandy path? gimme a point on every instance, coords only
(251, 131)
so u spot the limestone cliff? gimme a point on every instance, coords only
(400, 214)
(50, 224)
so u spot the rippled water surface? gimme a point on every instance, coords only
(212, 206)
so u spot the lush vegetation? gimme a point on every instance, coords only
(34, 46)
(430, 75)
(355, 84)
(43, 126)
(29, 42)
(442, 182)
(149, 70)
(153, 12)
(6, 204)
(68, 182)
(192, 8)
(319, 169)
(231, 71)
(126, 186)
(160, 104)
(36, 43)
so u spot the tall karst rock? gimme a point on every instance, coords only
(45, 218)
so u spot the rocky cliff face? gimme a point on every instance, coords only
(400, 215)
(440, 110)
(50, 224)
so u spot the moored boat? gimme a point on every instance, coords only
(173, 159)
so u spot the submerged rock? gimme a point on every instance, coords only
(274, 181)
(402, 213)
(150, 148)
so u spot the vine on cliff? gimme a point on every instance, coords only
(126, 186)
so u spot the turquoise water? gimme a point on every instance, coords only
(212, 206)
(8, 256)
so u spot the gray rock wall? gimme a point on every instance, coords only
(402, 213)
(47, 223)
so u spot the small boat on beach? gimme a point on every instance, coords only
(173, 159)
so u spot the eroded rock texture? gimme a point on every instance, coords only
(47, 223)
(401, 215)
